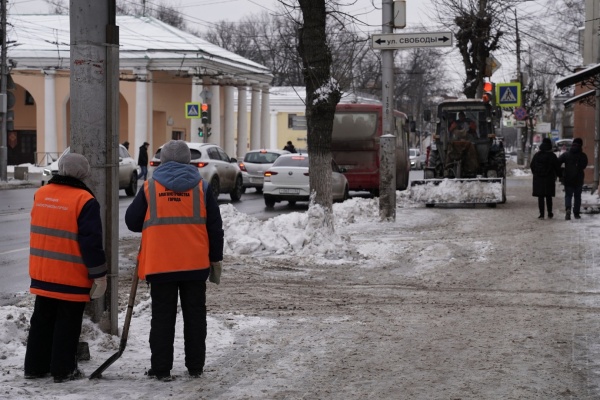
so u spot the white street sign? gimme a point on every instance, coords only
(387, 41)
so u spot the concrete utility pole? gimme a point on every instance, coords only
(94, 126)
(387, 144)
(3, 87)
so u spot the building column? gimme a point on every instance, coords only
(196, 123)
(215, 113)
(229, 120)
(273, 136)
(50, 134)
(265, 118)
(255, 118)
(141, 113)
(242, 122)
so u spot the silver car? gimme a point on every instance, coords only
(287, 180)
(215, 166)
(128, 171)
(254, 165)
(415, 159)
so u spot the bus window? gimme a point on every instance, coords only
(354, 126)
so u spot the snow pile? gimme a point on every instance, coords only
(457, 191)
(288, 234)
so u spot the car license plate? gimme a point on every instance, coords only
(256, 180)
(289, 191)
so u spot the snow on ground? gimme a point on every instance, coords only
(357, 236)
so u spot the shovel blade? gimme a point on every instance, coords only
(98, 372)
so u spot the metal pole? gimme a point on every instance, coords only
(597, 143)
(521, 142)
(111, 237)
(387, 164)
(3, 86)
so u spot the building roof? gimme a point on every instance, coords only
(43, 41)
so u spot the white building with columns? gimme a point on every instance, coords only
(161, 69)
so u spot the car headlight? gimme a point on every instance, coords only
(46, 172)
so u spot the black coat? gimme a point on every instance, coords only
(143, 157)
(575, 162)
(545, 169)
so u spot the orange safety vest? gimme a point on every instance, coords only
(55, 257)
(174, 236)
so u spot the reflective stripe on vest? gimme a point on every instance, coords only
(56, 266)
(174, 235)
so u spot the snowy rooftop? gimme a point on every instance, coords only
(43, 39)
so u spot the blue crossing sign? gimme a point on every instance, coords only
(508, 94)
(192, 110)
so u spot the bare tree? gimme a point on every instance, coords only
(477, 29)
(161, 11)
(322, 96)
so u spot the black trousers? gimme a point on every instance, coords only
(162, 326)
(548, 204)
(53, 336)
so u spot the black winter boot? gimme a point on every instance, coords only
(568, 215)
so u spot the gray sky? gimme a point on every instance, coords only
(205, 12)
(201, 14)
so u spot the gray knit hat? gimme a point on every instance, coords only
(175, 150)
(74, 165)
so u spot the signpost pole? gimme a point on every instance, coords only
(3, 86)
(387, 165)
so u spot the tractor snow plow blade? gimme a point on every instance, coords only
(457, 191)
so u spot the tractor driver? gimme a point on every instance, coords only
(463, 129)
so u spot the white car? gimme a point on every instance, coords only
(287, 180)
(215, 166)
(128, 171)
(254, 165)
(415, 159)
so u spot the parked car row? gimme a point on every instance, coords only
(278, 174)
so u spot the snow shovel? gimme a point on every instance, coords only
(134, 284)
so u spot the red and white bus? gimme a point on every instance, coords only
(355, 145)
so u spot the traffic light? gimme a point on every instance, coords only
(200, 133)
(488, 93)
(204, 108)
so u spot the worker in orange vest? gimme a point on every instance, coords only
(182, 245)
(67, 265)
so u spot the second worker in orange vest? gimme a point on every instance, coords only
(182, 239)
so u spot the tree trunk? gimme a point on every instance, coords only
(322, 96)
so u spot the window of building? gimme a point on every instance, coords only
(29, 101)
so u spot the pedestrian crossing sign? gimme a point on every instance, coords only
(192, 110)
(508, 94)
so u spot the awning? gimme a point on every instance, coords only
(579, 97)
(578, 76)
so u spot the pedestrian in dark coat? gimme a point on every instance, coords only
(545, 169)
(575, 161)
(143, 160)
(290, 147)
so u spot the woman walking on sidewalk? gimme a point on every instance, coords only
(545, 168)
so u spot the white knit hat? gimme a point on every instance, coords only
(74, 165)
(175, 150)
